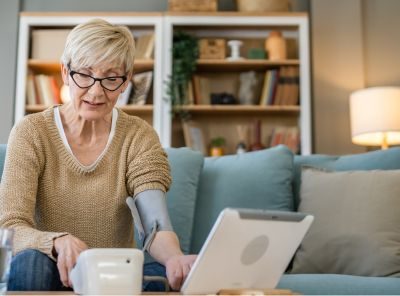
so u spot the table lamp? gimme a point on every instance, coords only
(375, 116)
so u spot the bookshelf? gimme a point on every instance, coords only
(223, 75)
(33, 62)
(214, 120)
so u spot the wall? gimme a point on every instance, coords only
(355, 44)
(382, 43)
(8, 59)
(338, 69)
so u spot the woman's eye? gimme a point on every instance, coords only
(81, 75)
(111, 79)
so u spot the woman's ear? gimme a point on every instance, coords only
(64, 74)
(125, 85)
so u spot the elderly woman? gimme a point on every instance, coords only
(70, 169)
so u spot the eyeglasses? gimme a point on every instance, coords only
(86, 81)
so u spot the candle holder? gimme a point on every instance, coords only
(235, 50)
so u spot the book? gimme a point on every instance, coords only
(279, 87)
(278, 136)
(201, 85)
(264, 91)
(294, 90)
(31, 96)
(145, 46)
(141, 84)
(44, 90)
(288, 136)
(292, 139)
(123, 98)
(55, 90)
(273, 86)
(190, 94)
(283, 86)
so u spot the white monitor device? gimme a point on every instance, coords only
(246, 249)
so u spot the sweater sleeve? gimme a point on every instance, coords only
(18, 188)
(148, 167)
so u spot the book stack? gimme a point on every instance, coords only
(269, 87)
(144, 46)
(137, 90)
(42, 90)
(281, 87)
(289, 136)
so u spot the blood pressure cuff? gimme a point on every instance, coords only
(150, 215)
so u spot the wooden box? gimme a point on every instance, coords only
(263, 5)
(212, 48)
(192, 5)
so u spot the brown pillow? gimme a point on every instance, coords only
(356, 229)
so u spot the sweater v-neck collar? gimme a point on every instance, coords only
(70, 159)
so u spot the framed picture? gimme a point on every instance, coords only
(141, 86)
(194, 136)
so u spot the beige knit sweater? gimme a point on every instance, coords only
(45, 192)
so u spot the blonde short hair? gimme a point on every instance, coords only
(98, 42)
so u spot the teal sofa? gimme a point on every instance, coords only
(203, 186)
(268, 179)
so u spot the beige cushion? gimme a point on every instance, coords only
(357, 223)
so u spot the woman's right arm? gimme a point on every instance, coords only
(18, 188)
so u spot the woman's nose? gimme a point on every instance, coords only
(96, 88)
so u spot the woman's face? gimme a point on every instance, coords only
(94, 102)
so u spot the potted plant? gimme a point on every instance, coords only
(185, 52)
(217, 146)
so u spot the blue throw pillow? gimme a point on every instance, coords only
(261, 180)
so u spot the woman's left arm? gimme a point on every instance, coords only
(149, 169)
(166, 250)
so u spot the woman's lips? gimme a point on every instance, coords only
(93, 104)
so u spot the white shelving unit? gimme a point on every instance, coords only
(30, 21)
(235, 25)
(228, 25)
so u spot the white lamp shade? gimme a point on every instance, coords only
(375, 116)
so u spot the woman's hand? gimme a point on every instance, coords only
(68, 248)
(177, 269)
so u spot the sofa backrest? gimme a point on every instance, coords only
(260, 180)
(3, 148)
(375, 160)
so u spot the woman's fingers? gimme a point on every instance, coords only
(68, 249)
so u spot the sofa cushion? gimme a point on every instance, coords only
(356, 227)
(186, 166)
(3, 148)
(259, 180)
(375, 160)
(334, 284)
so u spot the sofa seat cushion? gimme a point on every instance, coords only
(356, 226)
(261, 180)
(333, 284)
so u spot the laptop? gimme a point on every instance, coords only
(246, 249)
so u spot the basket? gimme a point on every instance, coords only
(263, 5)
(192, 5)
(212, 48)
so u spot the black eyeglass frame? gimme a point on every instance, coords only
(72, 73)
